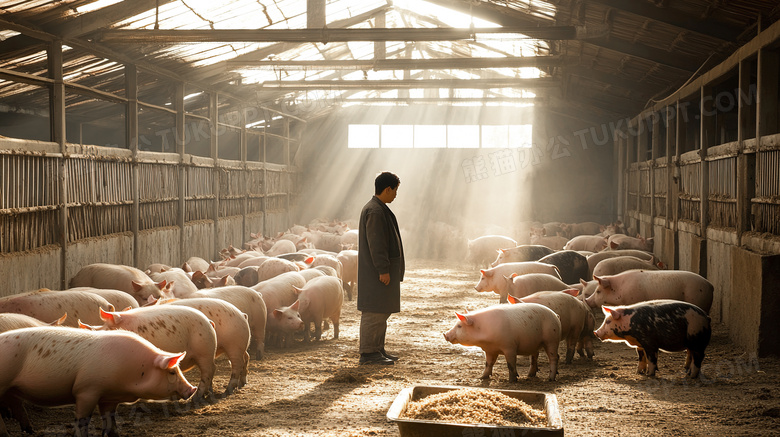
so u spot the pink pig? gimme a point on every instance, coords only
(47, 305)
(282, 318)
(118, 277)
(320, 299)
(232, 331)
(249, 302)
(103, 370)
(635, 286)
(173, 328)
(495, 278)
(510, 330)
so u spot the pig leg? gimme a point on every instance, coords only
(16, 409)
(651, 356)
(335, 321)
(238, 365)
(534, 364)
(552, 356)
(490, 360)
(511, 364)
(85, 405)
(108, 414)
(206, 377)
(641, 367)
(698, 357)
(688, 359)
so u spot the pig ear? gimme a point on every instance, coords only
(611, 311)
(661, 265)
(513, 299)
(603, 281)
(169, 361)
(277, 314)
(186, 267)
(295, 305)
(465, 319)
(113, 317)
(111, 308)
(309, 260)
(59, 321)
(297, 290)
(87, 327)
(197, 274)
(514, 275)
(572, 292)
(151, 300)
(613, 245)
(161, 284)
(137, 286)
(583, 282)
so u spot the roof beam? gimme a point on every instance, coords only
(521, 100)
(403, 64)
(326, 35)
(708, 27)
(647, 53)
(532, 83)
(496, 13)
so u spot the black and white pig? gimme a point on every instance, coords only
(664, 324)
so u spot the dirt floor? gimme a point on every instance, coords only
(318, 389)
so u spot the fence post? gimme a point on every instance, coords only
(131, 90)
(180, 142)
(58, 135)
(214, 155)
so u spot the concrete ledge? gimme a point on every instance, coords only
(755, 302)
(31, 270)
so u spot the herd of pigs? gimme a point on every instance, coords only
(554, 284)
(120, 334)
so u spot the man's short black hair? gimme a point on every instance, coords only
(384, 180)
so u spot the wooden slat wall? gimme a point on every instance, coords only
(766, 204)
(100, 195)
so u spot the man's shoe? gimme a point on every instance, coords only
(375, 358)
(388, 356)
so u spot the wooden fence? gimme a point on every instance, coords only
(99, 196)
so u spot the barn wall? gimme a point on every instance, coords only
(701, 177)
(112, 207)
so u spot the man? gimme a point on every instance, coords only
(380, 270)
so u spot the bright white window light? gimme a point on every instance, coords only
(520, 135)
(397, 136)
(430, 136)
(363, 136)
(495, 137)
(463, 137)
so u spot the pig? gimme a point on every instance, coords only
(172, 328)
(328, 260)
(237, 260)
(47, 305)
(201, 280)
(572, 230)
(530, 283)
(510, 330)
(282, 318)
(622, 241)
(178, 280)
(495, 279)
(327, 270)
(570, 311)
(9, 321)
(197, 264)
(295, 256)
(663, 324)
(103, 370)
(247, 276)
(249, 302)
(619, 264)
(320, 299)
(309, 274)
(635, 286)
(592, 243)
(600, 256)
(585, 289)
(274, 267)
(157, 268)
(554, 242)
(218, 271)
(118, 277)
(349, 263)
(571, 265)
(282, 246)
(481, 250)
(349, 240)
(254, 261)
(232, 331)
(118, 298)
(523, 253)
